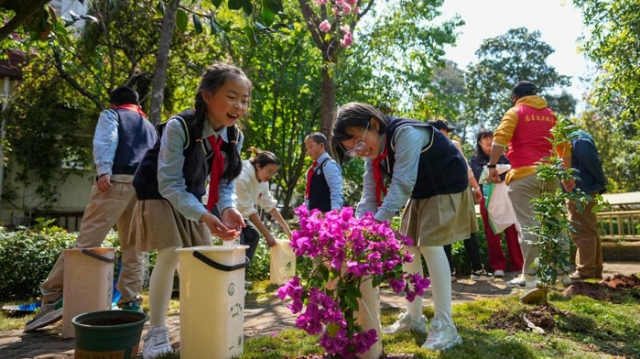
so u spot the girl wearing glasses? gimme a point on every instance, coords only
(427, 175)
(252, 188)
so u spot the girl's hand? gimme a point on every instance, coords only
(217, 228)
(271, 242)
(233, 219)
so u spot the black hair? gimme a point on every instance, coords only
(123, 96)
(214, 78)
(319, 138)
(524, 88)
(353, 114)
(484, 133)
(262, 158)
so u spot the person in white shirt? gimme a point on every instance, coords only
(252, 189)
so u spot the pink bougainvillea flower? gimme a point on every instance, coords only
(352, 250)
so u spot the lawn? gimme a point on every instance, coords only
(575, 326)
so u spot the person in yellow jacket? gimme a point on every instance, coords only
(526, 129)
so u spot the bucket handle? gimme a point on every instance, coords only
(98, 257)
(213, 264)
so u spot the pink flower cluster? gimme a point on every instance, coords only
(352, 250)
(339, 9)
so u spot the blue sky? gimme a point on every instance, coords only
(558, 21)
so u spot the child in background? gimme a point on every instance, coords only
(252, 187)
(324, 178)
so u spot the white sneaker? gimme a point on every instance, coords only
(498, 274)
(441, 336)
(156, 343)
(523, 281)
(406, 323)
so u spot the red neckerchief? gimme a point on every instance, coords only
(217, 167)
(377, 175)
(131, 107)
(309, 175)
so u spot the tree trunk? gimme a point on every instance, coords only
(328, 106)
(162, 61)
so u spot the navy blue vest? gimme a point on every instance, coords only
(441, 169)
(145, 180)
(319, 194)
(135, 136)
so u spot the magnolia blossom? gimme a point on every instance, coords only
(353, 250)
(325, 26)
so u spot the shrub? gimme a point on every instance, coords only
(28, 254)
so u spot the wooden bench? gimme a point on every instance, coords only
(621, 221)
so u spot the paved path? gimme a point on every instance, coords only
(261, 318)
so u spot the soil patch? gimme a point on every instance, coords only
(541, 317)
(613, 289)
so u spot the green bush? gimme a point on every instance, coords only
(26, 257)
(28, 254)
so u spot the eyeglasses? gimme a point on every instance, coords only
(360, 146)
(271, 173)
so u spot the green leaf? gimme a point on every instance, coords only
(275, 6)
(197, 24)
(182, 20)
(251, 35)
(160, 7)
(214, 26)
(216, 3)
(235, 4)
(268, 16)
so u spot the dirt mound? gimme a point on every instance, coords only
(611, 289)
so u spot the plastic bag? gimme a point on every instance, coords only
(499, 207)
(283, 263)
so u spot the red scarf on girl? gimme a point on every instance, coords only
(217, 167)
(377, 175)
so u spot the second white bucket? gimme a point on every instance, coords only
(282, 264)
(88, 283)
(212, 301)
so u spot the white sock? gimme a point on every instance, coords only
(440, 277)
(161, 285)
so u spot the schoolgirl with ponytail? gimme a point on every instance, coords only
(255, 197)
(195, 146)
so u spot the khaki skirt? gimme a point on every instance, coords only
(155, 224)
(440, 220)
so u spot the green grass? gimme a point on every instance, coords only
(585, 328)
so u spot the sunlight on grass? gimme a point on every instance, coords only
(584, 328)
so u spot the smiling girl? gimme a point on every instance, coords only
(195, 145)
(427, 176)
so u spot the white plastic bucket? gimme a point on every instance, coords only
(282, 266)
(88, 283)
(212, 301)
(369, 315)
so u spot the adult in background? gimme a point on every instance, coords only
(252, 188)
(591, 180)
(478, 273)
(526, 129)
(324, 178)
(497, 259)
(428, 177)
(122, 137)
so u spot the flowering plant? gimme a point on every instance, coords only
(353, 250)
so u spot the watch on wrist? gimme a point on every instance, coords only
(491, 166)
